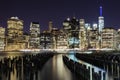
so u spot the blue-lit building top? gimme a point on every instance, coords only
(100, 20)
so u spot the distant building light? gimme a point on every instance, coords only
(87, 26)
(68, 19)
(118, 29)
(95, 26)
(14, 17)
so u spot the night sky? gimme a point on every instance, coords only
(58, 10)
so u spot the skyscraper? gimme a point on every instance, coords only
(14, 29)
(93, 39)
(95, 26)
(82, 34)
(118, 39)
(71, 28)
(100, 26)
(46, 40)
(34, 35)
(61, 40)
(15, 34)
(55, 32)
(2, 39)
(100, 20)
(88, 29)
(109, 38)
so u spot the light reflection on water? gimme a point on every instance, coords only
(58, 70)
(54, 69)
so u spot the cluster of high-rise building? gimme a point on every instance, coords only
(75, 34)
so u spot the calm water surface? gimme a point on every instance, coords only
(55, 69)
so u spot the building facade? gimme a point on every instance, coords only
(71, 28)
(118, 39)
(83, 35)
(34, 35)
(100, 20)
(100, 26)
(14, 36)
(109, 36)
(2, 39)
(88, 29)
(46, 40)
(93, 39)
(61, 40)
(55, 33)
(14, 30)
(26, 40)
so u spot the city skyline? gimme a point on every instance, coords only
(57, 11)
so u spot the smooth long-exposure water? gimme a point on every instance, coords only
(53, 69)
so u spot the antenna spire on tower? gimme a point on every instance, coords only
(100, 10)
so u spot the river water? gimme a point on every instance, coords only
(54, 69)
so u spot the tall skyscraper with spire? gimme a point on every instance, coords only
(100, 26)
(100, 20)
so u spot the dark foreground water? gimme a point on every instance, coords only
(54, 69)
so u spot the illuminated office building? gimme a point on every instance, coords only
(92, 36)
(61, 40)
(88, 30)
(88, 26)
(55, 32)
(82, 35)
(109, 38)
(101, 23)
(93, 39)
(71, 28)
(14, 30)
(2, 39)
(34, 35)
(14, 34)
(66, 25)
(118, 39)
(46, 40)
(26, 40)
(95, 26)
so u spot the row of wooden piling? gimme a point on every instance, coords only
(82, 71)
(26, 65)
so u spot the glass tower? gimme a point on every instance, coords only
(101, 20)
